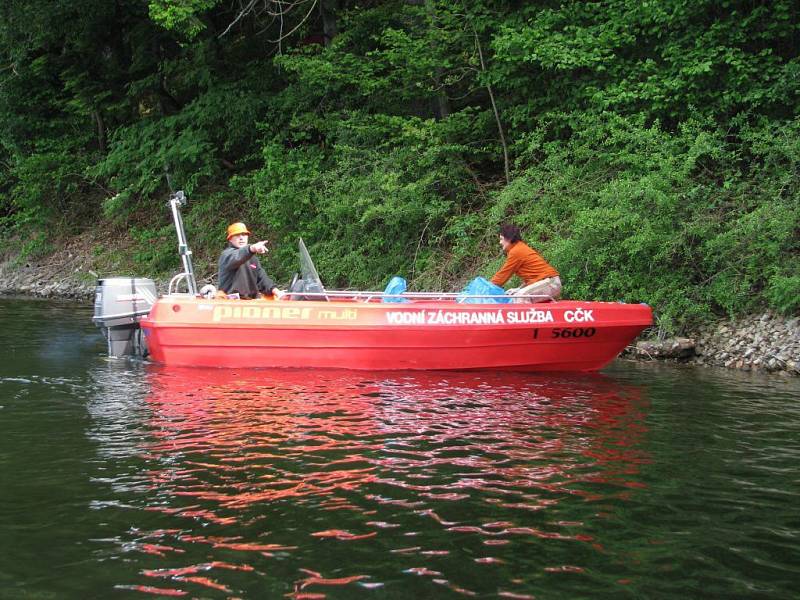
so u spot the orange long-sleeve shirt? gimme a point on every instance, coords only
(525, 262)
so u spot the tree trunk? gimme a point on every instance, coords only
(101, 129)
(442, 101)
(494, 109)
(327, 9)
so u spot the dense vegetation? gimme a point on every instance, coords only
(650, 150)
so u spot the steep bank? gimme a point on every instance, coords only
(72, 271)
(762, 342)
(67, 273)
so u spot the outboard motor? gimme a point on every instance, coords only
(119, 304)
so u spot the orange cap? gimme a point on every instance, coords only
(236, 229)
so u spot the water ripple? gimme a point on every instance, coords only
(123, 478)
(329, 469)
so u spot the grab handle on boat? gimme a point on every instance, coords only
(176, 200)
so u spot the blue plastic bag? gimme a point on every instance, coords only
(397, 285)
(481, 286)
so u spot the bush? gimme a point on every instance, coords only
(368, 206)
(630, 212)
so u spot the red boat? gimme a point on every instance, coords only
(360, 330)
(421, 334)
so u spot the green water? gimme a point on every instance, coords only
(122, 479)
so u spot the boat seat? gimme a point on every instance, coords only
(299, 288)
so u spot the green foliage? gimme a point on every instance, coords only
(155, 248)
(653, 146)
(667, 219)
(46, 188)
(784, 293)
(367, 206)
(194, 146)
(34, 247)
(143, 153)
(670, 60)
(184, 15)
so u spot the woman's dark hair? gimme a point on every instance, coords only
(510, 232)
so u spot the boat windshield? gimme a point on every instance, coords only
(308, 271)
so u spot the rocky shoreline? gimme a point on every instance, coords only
(764, 342)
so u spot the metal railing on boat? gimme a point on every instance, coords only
(172, 288)
(375, 296)
(369, 296)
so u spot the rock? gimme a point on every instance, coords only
(670, 348)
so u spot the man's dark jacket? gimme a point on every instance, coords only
(241, 273)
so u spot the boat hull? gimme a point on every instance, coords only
(428, 335)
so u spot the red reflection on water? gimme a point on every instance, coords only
(148, 589)
(316, 579)
(267, 436)
(231, 449)
(342, 535)
(157, 549)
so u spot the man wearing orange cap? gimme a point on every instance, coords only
(240, 272)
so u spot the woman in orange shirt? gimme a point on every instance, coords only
(541, 282)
